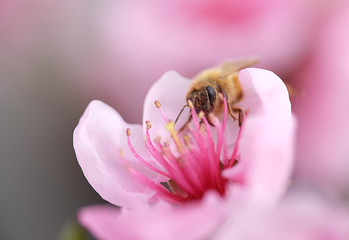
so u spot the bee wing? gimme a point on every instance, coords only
(237, 65)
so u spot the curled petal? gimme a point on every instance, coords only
(170, 91)
(101, 148)
(264, 93)
(266, 146)
(323, 112)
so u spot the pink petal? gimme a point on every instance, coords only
(198, 220)
(162, 33)
(323, 111)
(300, 216)
(266, 146)
(170, 90)
(264, 91)
(98, 140)
(141, 40)
(100, 220)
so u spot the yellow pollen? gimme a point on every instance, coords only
(170, 127)
(157, 104)
(128, 132)
(190, 104)
(187, 140)
(148, 123)
(201, 114)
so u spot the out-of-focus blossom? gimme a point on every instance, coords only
(143, 39)
(153, 35)
(300, 215)
(40, 36)
(323, 111)
(205, 170)
(42, 46)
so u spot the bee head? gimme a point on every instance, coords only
(203, 99)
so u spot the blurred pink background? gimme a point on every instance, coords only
(57, 56)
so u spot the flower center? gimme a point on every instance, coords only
(192, 161)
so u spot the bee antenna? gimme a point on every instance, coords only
(180, 113)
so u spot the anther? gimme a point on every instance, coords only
(201, 114)
(148, 123)
(190, 104)
(157, 104)
(174, 135)
(128, 132)
(187, 140)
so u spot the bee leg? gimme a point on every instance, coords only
(230, 109)
(185, 124)
(241, 115)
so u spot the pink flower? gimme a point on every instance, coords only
(205, 169)
(180, 31)
(323, 110)
(142, 39)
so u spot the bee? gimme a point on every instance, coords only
(209, 87)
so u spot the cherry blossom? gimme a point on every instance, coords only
(172, 184)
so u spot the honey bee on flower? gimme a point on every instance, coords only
(206, 88)
(173, 176)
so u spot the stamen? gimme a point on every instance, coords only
(160, 189)
(192, 168)
(190, 104)
(189, 168)
(175, 167)
(155, 153)
(128, 133)
(216, 162)
(188, 141)
(236, 147)
(198, 137)
(201, 114)
(170, 127)
(194, 115)
(180, 176)
(223, 128)
(158, 105)
(193, 163)
(212, 165)
(148, 124)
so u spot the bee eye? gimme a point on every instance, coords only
(211, 95)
